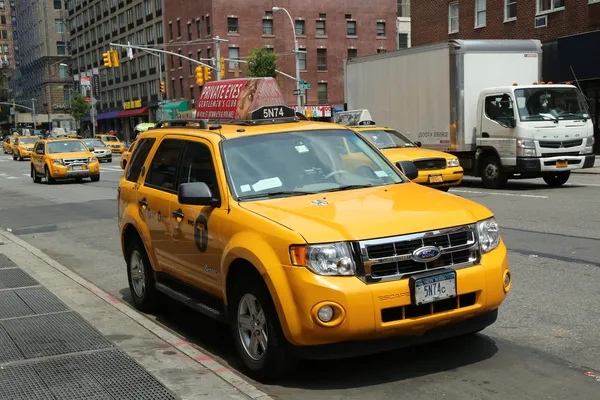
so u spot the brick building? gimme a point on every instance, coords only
(569, 31)
(329, 32)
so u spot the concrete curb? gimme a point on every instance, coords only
(204, 360)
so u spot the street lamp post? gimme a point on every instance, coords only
(296, 51)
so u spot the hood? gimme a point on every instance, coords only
(369, 213)
(62, 156)
(412, 153)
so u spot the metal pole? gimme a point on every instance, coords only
(15, 108)
(160, 77)
(298, 96)
(33, 113)
(218, 54)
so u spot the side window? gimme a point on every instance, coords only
(499, 107)
(197, 166)
(162, 173)
(138, 158)
(37, 147)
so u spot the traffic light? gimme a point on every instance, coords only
(222, 68)
(207, 73)
(107, 59)
(199, 75)
(162, 87)
(115, 58)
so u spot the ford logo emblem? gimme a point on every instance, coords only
(426, 254)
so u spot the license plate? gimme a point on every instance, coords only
(435, 179)
(77, 167)
(434, 288)
(562, 164)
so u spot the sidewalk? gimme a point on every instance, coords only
(590, 171)
(63, 338)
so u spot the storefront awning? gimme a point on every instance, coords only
(174, 107)
(105, 115)
(133, 113)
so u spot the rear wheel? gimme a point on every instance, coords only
(492, 173)
(556, 179)
(141, 277)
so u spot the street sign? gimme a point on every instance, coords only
(296, 92)
(305, 85)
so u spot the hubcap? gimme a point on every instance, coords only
(491, 171)
(252, 327)
(136, 267)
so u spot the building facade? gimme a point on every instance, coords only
(7, 58)
(328, 33)
(569, 32)
(128, 94)
(42, 78)
(403, 24)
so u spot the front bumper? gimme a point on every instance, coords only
(365, 305)
(536, 166)
(118, 150)
(451, 176)
(104, 156)
(63, 172)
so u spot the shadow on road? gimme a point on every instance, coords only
(516, 185)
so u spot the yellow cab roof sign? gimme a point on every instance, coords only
(247, 101)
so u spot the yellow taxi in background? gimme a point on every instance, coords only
(7, 144)
(112, 142)
(126, 155)
(23, 146)
(259, 220)
(436, 169)
(63, 158)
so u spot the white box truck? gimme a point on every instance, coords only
(482, 100)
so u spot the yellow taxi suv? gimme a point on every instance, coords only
(7, 144)
(54, 159)
(126, 155)
(112, 142)
(23, 147)
(436, 169)
(257, 219)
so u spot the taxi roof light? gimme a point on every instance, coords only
(361, 117)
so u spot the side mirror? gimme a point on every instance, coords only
(91, 149)
(39, 151)
(409, 169)
(512, 122)
(197, 194)
(419, 144)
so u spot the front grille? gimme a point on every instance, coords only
(558, 145)
(391, 258)
(75, 161)
(553, 163)
(412, 311)
(430, 163)
(561, 154)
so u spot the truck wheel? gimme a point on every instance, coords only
(257, 333)
(141, 277)
(492, 173)
(556, 179)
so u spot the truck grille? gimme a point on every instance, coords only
(391, 258)
(75, 161)
(561, 154)
(430, 163)
(565, 144)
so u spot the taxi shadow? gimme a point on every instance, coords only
(515, 185)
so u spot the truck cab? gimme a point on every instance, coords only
(531, 131)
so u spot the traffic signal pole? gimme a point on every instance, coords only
(218, 60)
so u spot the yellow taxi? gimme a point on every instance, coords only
(7, 144)
(63, 158)
(255, 218)
(436, 169)
(112, 142)
(23, 146)
(126, 155)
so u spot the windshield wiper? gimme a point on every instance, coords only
(275, 194)
(348, 187)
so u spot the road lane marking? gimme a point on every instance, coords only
(498, 194)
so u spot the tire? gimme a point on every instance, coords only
(19, 156)
(492, 173)
(14, 157)
(274, 361)
(143, 290)
(49, 178)
(78, 180)
(34, 175)
(95, 178)
(110, 160)
(556, 179)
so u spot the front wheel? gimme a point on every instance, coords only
(492, 173)
(556, 179)
(95, 178)
(34, 175)
(49, 178)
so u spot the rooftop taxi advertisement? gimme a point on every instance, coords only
(235, 99)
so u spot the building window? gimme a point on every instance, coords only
(234, 54)
(170, 31)
(63, 71)
(232, 25)
(59, 23)
(549, 5)
(180, 59)
(300, 27)
(403, 40)
(148, 4)
(191, 64)
(302, 59)
(351, 28)
(321, 28)
(510, 10)
(159, 30)
(189, 30)
(352, 53)
(480, 13)
(321, 59)
(322, 90)
(267, 26)
(192, 94)
(178, 28)
(158, 5)
(3, 19)
(453, 17)
(404, 8)
(207, 26)
(57, 4)
(381, 29)
(173, 89)
(199, 29)
(61, 48)
(181, 87)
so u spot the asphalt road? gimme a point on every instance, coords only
(546, 339)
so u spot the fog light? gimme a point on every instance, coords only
(507, 281)
(325, 313)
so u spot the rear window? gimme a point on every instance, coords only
(138, 158)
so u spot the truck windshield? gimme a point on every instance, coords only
(387, 139)
(546, 103)
(303, 162)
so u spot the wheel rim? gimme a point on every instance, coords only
(136, 267)
(47, 175)
(491, 171)
(252, 327)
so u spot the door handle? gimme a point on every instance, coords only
(178, 214)
(143, 203)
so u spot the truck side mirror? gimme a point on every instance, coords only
(512, 122)
(419, 144)
(409, 169)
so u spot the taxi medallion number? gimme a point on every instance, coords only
(562, 164)
(436, 179)
(435, 288)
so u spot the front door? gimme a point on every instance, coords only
(497, 112)
(37, 160)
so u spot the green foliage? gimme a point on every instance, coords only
(79, 108)
(262, 62)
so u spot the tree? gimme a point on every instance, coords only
(262, 62)
(79, 108)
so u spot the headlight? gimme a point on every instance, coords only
(333, 259)
(489, 237)
(589, 145)
(526, 148)
(59, 162)
(92, 159)
(453, 163)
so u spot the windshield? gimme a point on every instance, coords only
(110, 139)
(65, 146)
(93, 143)
(28, 140)
(543, 103)
(387, 139)
(296, 163)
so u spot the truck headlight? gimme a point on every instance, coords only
(589, 145)
(333, 259)
(453, 163)
(489, 237)
(526, 148)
